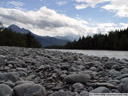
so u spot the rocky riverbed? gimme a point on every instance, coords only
(38, 72)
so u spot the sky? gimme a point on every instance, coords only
(65, 17)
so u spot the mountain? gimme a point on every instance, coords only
(18, 29)
(10, 38)
(44, 40)
(50, 41)
(69, 38)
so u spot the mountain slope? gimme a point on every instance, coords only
(44, 40)
(18, 29)
(10, 38)
(69, 38)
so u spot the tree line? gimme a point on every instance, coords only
(114, 40)
(10, 38)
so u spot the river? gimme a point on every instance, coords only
(99, 53)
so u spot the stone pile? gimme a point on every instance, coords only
(39, 72)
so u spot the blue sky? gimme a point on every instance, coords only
(65, 17)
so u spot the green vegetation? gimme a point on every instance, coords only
(115, 40)
(10, 38)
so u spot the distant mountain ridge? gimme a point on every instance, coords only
(69, 38)
(44, 40)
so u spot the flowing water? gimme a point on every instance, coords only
(99, 53)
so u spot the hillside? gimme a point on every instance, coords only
(10, 38)
(44, 40)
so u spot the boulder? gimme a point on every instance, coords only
(123, 87)
(100, 90)
(109, 64)
(78, 86)
(114, 73)
(29, 89)
(75, 78)
(5, 90)
(12, 76)
(84, 93)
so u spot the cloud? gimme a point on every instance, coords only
(43, 21)
(60, 3)
(82, 6)
(48, 22)
(124, 25)
(91, 3)
(106, 24)
(117, 6)
(16, 3)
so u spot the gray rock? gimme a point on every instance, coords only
(115, 91)
(116, 67)
(101, 90)
(109, 64)
(5, 90)
(12, 76)
(21, 69)
(84, 93)
(123, 87)
(93, 68)
(2, 76)
(75, 78)
(114, 73)
(60, 94)
(22, 73)
(65, 67)
(40, 68)
(10, 83)
(124, 71)
(78, 86)
(29, 90)
(23, 82)
(104, 84)
(123, 76)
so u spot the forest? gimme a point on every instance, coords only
(10, 38)
(114, 40)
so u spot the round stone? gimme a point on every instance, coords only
(29, 89)
(5, 90)
(75, 78)
(101, 90)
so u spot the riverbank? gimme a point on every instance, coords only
(39, 72)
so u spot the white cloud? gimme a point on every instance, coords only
(16, 3)
(82, 6)
(106, 24)
(60, 3)
(48, 22)
(124, 25)
(43, 21)
(91, 3)
(118, 6)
